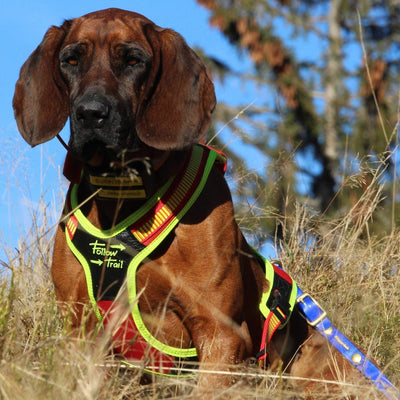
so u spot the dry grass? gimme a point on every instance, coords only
(354, 276)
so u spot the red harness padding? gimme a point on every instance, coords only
(128, 342)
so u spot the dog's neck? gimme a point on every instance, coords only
(107, 209)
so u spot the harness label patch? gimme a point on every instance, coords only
(109, 263)
(107, 252)
(123, 194)
(116, 180)
(100, 249)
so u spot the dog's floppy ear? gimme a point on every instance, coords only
(178, 98)
(40, 99)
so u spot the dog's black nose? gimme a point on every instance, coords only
(92, 114)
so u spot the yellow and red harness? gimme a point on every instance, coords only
(111, 257)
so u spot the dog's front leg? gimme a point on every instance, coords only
(221, 344)
(219, 360)
(71, 289)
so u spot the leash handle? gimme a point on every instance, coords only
(316, 317)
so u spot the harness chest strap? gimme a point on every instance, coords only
(163, 230)
(148, 227)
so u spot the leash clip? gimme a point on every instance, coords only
(315, 306)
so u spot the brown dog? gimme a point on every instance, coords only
(139, 99)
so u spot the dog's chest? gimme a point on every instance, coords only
(118, 261)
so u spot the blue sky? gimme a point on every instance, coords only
(28, 174)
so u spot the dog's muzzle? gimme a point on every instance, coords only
(93, 114)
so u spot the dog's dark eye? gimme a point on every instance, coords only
(132, 61)
(133, 56)
(71, 56)
(129, 59)
(69, 64)
(72, 61)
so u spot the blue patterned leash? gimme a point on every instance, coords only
(316, 317)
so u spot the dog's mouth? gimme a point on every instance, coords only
(98, 154)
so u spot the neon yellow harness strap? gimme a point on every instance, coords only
(131, 274)
(85, 266)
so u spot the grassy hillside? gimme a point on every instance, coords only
(354, 276)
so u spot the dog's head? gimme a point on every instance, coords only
(124, 82)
